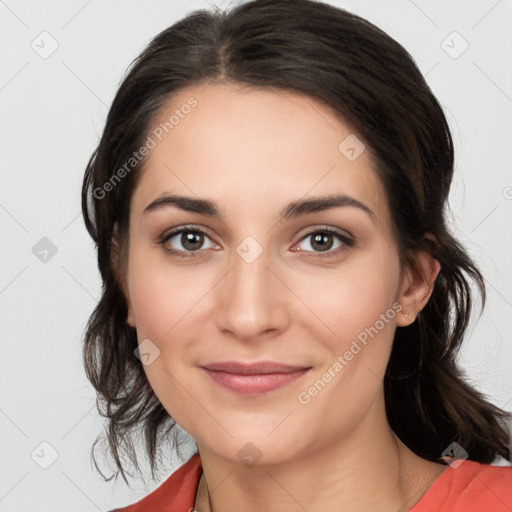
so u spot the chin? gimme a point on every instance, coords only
(252, 446)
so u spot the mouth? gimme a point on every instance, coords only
(253, 378)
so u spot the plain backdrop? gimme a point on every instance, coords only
(61, 64)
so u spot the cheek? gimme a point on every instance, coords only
(359, 304)
(370, 318)
(162, 307)
(360, 295)
(167, 302)
(163, 296)
(156, 305)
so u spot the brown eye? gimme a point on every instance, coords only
(192, 241)
(187, 240)
(322, 241)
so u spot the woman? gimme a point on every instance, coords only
(267, 201)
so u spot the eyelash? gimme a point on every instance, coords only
(344, 239)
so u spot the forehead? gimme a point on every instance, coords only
(242, 146)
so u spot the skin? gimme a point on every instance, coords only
(253, 152)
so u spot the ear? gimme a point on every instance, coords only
(417, 285)
(119, 268)
(130, 318)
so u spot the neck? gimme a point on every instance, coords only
(368, 469)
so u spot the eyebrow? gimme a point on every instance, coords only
(291, 211)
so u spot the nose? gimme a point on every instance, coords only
(252, 300)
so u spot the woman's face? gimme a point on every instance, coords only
(279, 275)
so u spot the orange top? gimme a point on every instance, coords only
(470, 487)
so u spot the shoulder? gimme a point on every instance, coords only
(177, 492)
(470, 486)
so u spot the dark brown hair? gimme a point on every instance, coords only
(371, 81)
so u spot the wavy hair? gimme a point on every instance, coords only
(370, 80)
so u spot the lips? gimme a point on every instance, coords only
(253, 378)
(260, 368)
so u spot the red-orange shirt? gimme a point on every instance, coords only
(471, 487)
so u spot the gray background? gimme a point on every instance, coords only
(53, 107)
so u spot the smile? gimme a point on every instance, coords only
(253, 379)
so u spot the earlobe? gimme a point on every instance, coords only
(418, 286)
(119, 271)
(130, 317)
